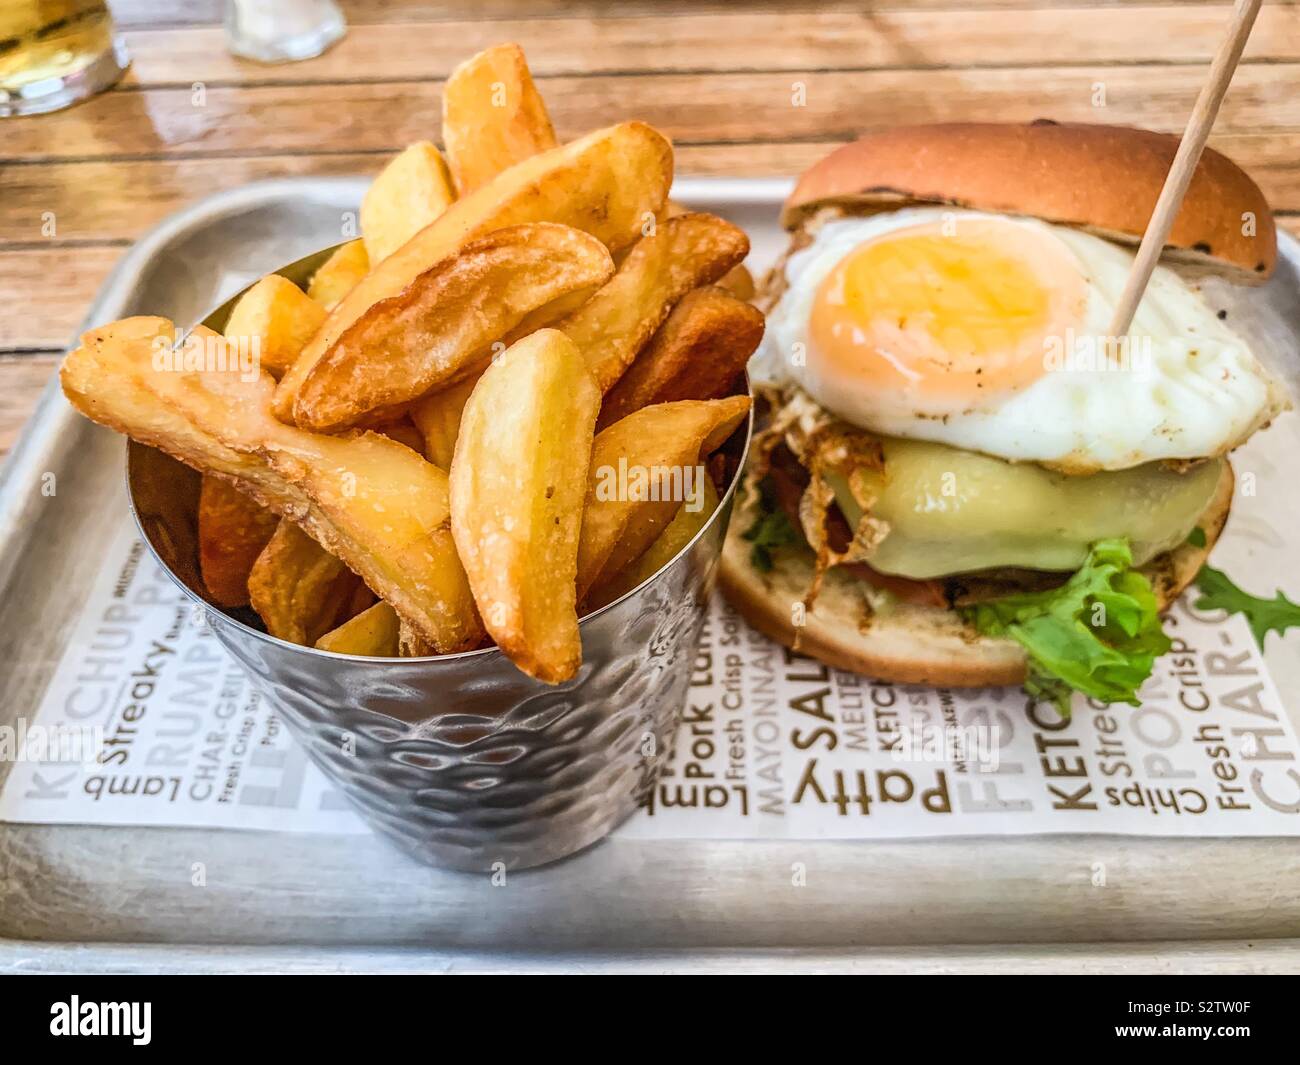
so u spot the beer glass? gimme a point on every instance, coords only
(56, 52)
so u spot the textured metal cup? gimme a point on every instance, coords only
(462, 760)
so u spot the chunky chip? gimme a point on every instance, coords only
(682, 253)
(679, 532)
(492, 116)
(410, 644)
(370, 501)
(404, 431)
(274, 320)
(607, 183)
(338, 275)
(444, 324)
(642, 469)
(700, 352)
(373, 632)
(517, 485)
(438, 419)
(739, 282)
(232, 530)
(299, 590)
(409, 193)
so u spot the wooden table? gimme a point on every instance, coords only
(722, 79)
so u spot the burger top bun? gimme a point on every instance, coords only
(1104, 179)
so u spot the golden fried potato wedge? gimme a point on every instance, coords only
(338, 275)
(275, 318)
(517, 486)
(438, 419)
(606, 184)
(642, 469)
(739, 282)
(404, 431)
(437, 415)
(688, 521)
(362, 598)
(443, 325)
(409, 193)
(698, 353)
(373, 633)
(103, 378)
(410, 644)
(299, 590)
(232, 530)
(492, 116)
(682, 253)
(370, 501)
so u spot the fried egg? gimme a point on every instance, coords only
(988, 332)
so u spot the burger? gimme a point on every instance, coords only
(959, 478)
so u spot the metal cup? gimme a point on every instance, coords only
(462, 760)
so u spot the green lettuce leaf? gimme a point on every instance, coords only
(771, 530)
(1264, 615)
(1099, 633)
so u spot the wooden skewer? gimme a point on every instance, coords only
(1184, 165)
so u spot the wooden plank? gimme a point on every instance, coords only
(361, 12)
(128, 13)
(46, 292)
(737, 107)
(134, 195)
(831, 40)
(22, 379)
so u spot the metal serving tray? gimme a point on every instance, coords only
(120, 899)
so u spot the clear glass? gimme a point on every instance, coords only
(282, 31)
(56, 52)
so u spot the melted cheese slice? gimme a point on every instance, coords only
(952, 511)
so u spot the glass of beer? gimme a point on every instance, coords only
(54, 53)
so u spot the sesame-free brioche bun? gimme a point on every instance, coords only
(909, 644)
(1103, 179)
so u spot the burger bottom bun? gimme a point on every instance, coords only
(911, 644)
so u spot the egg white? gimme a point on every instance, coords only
(1191, 389)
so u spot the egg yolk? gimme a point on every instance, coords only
(941, 321)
